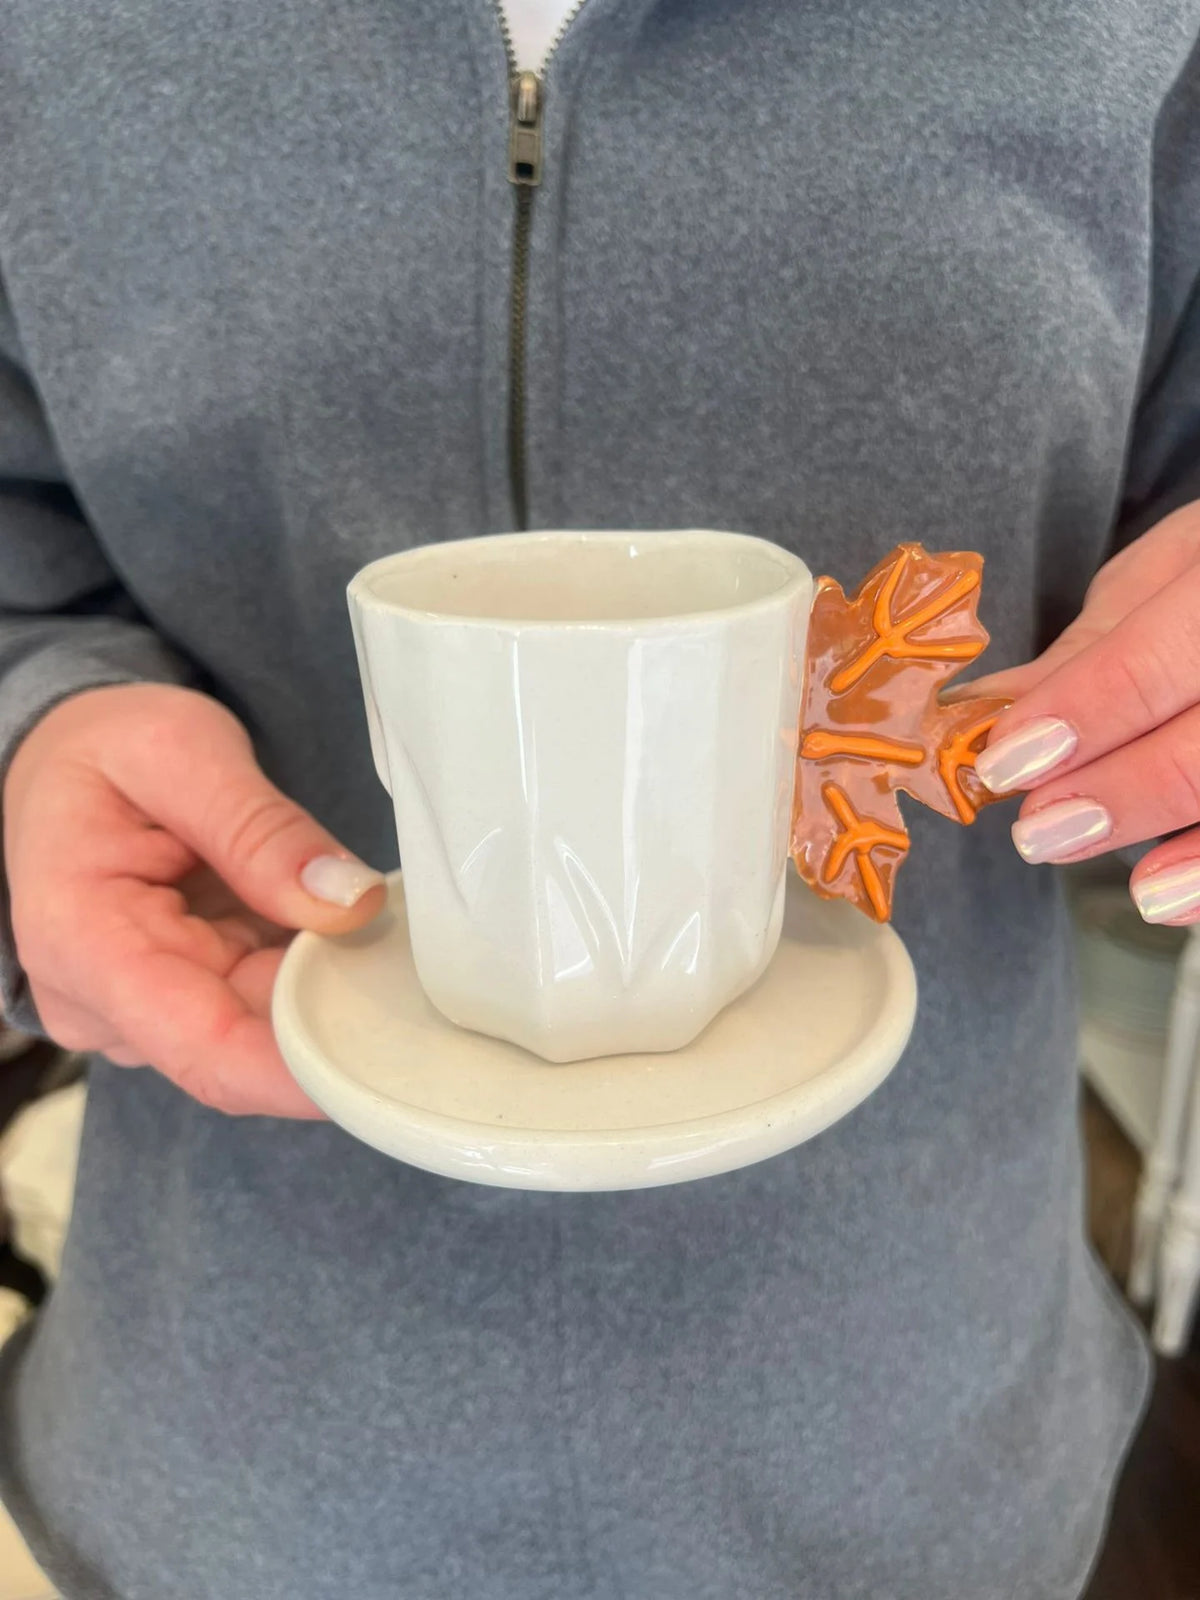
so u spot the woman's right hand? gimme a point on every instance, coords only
(155, 874)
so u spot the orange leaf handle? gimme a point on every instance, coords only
(894, 638)
(873, 724)
(958, 756)
(822, 743)
(860, 836)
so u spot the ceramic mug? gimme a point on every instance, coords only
(590, 743)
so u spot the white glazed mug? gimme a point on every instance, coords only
(590, 742)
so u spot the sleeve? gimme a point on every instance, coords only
(1163, 465)
(66, 624)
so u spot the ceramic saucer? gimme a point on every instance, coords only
(821, 1029)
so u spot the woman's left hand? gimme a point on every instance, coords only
(1105, 729)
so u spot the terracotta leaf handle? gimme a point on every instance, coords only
(871, 722)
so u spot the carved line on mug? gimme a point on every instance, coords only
(458, 878)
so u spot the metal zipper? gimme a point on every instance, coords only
(526, 109)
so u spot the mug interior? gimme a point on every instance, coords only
(582, 577)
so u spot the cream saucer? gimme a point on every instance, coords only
(819, 1032)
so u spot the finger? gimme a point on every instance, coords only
(80, 1031)
(275, 856)
(1134, 678)
(1015, 682)
(253, 980)
(86, 826)
(197, 1030)
(1131, 578)
(168, 918)
(252, 932)
(208, 897)
(1166, 883)
(72, 1026)
(123, 1056)
(1142, 791)
(170, 992)
(165, 1021)
(163, 919)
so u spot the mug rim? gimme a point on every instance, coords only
(795, 575)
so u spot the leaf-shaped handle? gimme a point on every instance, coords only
(872, 722)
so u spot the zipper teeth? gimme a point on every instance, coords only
(510, 53)
(558, 34)
(520, 279)
(517, 357)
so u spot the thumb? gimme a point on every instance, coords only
(196, 775)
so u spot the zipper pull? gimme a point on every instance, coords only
(525, 131)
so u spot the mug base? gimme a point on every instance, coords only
(657, 1034)
(818, 1032)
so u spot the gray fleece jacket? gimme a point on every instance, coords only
(840, 273)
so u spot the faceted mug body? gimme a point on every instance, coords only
(590, 742)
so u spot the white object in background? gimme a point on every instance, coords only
(14, 1309)
(590, 740)
(1179, 1271)
(20, 1576)
(1127, 975)
(819, 1032)
(38, 1155)
(1126, 1071)
(1179, 1250)
(1164, 1160)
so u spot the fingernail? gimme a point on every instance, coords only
(1013, 762)
(1170, 894)
(1061, 830)
(339, 881)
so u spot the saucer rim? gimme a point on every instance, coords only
(524, 1157)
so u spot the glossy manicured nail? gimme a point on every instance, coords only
(1169, 895)
(1061, 830)
(1016, 760)
(339, 881)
